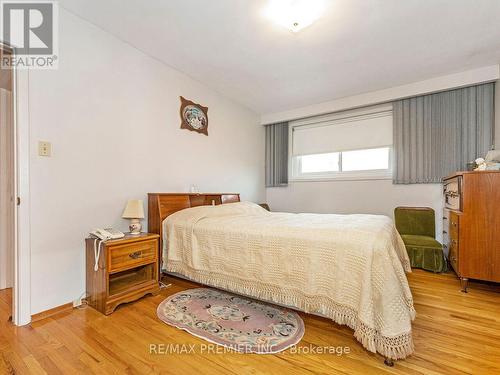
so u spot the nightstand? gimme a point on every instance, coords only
(128, 270)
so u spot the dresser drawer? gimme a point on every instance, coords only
(453, 239)
(131, 255)
(453, 193)
(454, 248)
(451, 225)
(454, 222)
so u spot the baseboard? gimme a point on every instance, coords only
(51, 312)
(5, 285)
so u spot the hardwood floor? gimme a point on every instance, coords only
(454, 333)
(5, 304)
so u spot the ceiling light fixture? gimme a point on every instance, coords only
(294, 14)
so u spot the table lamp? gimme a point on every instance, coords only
(134, 211)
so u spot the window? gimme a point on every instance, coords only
(366, 160)
(320, 163)
(349, 146)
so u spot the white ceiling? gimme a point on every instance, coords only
(357, 46)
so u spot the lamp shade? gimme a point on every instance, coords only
(134, 210)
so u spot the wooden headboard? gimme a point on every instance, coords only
(161, 205)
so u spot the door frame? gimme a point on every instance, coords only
(21, 291)
(21, 314)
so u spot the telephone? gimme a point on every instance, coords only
(103, 235)
(107, 234)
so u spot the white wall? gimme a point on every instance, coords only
(351, 197)
(470, 77)
(112, 115)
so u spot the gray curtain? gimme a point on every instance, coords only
(277, 154)
(438, 134)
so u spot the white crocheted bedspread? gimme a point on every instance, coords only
(350, 268)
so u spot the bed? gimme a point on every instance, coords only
(349, 268)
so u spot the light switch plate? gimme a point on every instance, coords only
(44, 148)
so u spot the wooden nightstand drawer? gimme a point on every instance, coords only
(131, 255)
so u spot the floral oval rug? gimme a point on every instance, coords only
(236, 322)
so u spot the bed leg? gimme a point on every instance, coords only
(388, 362)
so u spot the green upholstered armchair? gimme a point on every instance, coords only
(416, 225)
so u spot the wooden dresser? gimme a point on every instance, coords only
(471, 227)
(127, 270)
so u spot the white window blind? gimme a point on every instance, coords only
(351, 133)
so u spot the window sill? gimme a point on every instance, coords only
(346, 177)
